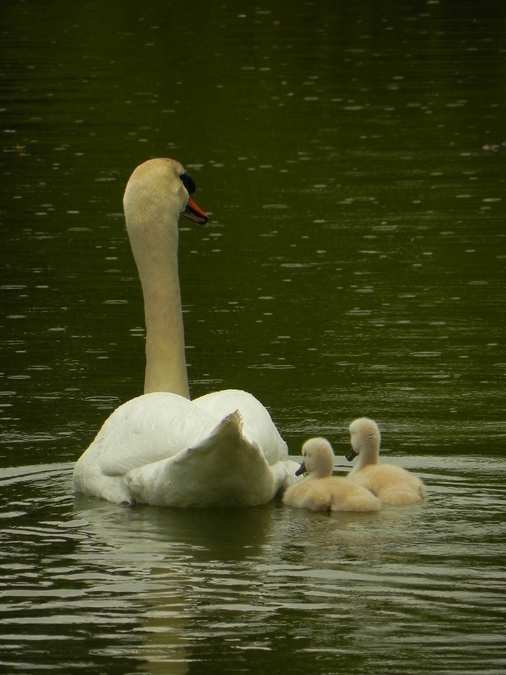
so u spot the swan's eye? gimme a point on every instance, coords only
(188, 182)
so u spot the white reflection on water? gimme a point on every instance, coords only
(92, 585)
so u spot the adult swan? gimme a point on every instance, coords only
(221, 449)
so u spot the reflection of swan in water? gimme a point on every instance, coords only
(320, 490)
(180, 564)
(221, 449)
(392, 484)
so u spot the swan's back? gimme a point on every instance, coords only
(224, 469)
(258, 426)
(163, 449)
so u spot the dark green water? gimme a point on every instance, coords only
(353, 160)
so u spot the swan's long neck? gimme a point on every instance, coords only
(153, 233)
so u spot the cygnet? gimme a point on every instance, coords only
(320, 490)
(391, 484)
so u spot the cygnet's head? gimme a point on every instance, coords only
(365, 437)
(318, 458)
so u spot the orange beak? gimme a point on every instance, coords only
(195, 213)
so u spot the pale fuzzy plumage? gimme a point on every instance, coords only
(222, 449)
(319, 490)
(392, 484)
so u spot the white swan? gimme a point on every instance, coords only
(160, 448)
(391, 484)
(320, 490)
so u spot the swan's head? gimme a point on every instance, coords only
(365, 438)
(161, 186)
(318, 458)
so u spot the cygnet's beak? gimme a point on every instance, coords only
(351, 455)
(302, 469)
(195, 213)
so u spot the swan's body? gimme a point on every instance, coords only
(392, 484)
(160, 448)
(320, 490)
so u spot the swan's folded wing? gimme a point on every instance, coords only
(225, 469)
(144, 430)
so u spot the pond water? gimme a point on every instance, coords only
(93, 587)
(353, 161)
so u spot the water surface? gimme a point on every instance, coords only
(94, 587)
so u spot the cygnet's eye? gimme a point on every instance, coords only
(188, 182)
